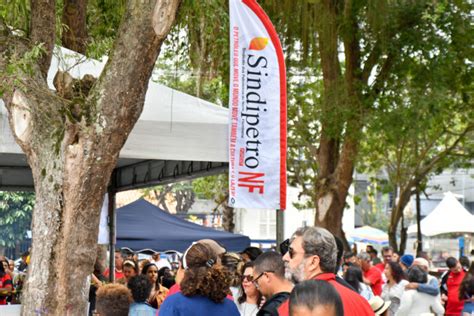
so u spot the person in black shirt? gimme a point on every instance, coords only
(269, 278)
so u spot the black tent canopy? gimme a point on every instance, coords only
(142, 226)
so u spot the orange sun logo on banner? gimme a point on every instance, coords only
(258, 43)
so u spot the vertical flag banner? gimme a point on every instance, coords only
(257, 107)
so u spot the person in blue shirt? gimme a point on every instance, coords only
(140, 286)
(431, 287)
(203, 289)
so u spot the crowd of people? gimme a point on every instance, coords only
(310, 275)
(403, 286)
(12, 279)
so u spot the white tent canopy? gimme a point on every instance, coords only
(448, 217)
(172, 126)
(177, 136)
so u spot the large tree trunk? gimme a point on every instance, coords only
(73, 149)
(228, 218)
(339, 140)
(75, 31)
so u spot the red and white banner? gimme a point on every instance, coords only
(257, 104)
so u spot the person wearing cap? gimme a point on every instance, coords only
(250, 254)
(431, 287)
(204, 286)
(312, 255)
(406, 261)
(379, 306)
(414, 302)
(216, 249)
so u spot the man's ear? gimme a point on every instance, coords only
(314, 263)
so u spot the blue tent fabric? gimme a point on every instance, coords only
(142, 225)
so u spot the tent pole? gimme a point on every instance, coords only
(280, 228)
(112, 224)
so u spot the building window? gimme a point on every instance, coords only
(267, 223)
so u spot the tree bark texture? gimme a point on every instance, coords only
(72, 148)
(74, 34)
(337, 149)
(228, 218)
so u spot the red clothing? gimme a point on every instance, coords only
(118, 274)
(380, 266)
(174, 289)
(5, 282)
(454, 306)
(354, 304)
(375, 277)
(284, 309)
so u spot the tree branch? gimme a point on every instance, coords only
(122, 86)
(371, 61)
(430, 165)
(43, 30)
(351, 45)
(383, 74)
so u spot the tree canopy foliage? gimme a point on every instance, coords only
(16, 209)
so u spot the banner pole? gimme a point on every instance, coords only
(280, 228)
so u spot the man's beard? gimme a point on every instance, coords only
(295, 275)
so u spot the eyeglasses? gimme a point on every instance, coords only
(291, 252)
(259, 276)
(248, 278)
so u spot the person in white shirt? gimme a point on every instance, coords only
(250, 298)
(353, 276)
(416, 303)
(393, 290)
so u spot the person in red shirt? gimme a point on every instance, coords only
(450, 283)
(312, 255)
(118, 266)
(5, 284)
(372, 275)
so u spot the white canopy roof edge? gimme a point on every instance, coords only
(448, 217)
(172, 126)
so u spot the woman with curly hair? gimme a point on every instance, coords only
(204, 287)
(233, 264)
(113, 300)
(158, 292)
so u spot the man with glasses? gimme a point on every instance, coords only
(312, 255)
(269, 278)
